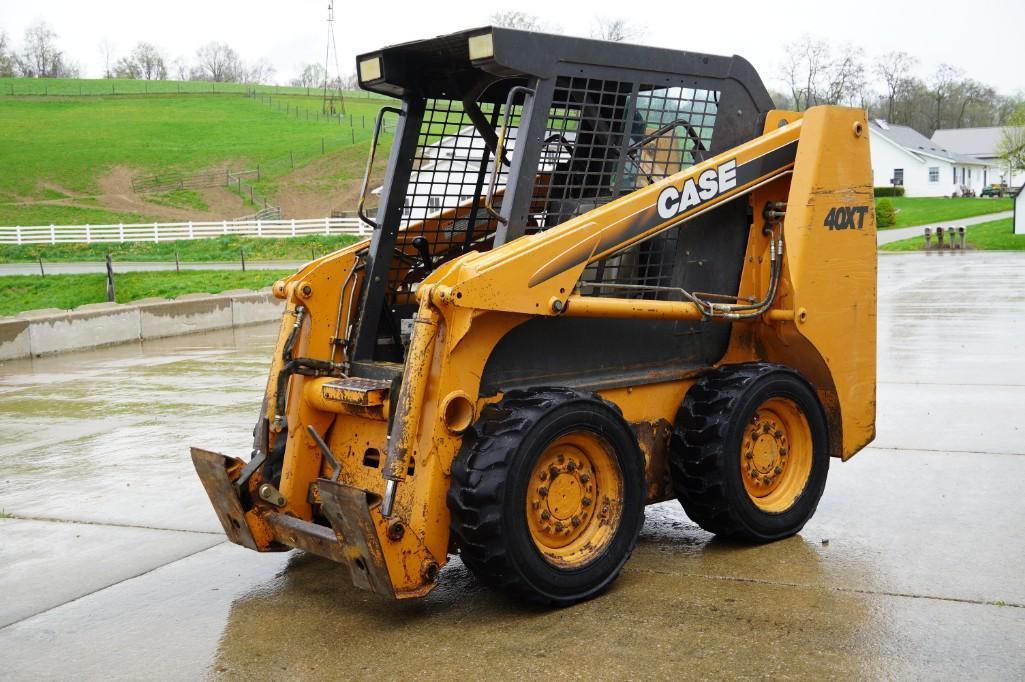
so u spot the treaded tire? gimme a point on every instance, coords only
(490, 478)
(704, 453)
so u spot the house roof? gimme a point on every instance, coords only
(972, 141)
(917, 143)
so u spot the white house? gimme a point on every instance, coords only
(903, 156)
(981, 143)
(1019, 211)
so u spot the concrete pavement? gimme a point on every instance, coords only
(895, 235)
(113, 566)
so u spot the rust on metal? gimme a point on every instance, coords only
(212, 468)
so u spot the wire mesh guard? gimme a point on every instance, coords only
(603, 139)
(444, 203)
(622, 137)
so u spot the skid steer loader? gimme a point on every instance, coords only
(600, 276)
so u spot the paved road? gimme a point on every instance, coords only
(112, 565)
(887, 236)
(81, 268)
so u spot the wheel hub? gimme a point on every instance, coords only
(765, 450)
(562, 495)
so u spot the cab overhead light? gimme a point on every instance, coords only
(370, 69)
(481, 47)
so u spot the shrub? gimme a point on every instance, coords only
(888, 191)
(886, 216)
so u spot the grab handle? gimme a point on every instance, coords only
(370, 164)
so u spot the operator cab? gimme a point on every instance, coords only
(502, 133)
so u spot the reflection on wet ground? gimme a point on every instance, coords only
(112, 564)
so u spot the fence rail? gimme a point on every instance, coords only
(164, 232)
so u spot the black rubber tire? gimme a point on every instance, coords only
(704, 451)
(489, 483)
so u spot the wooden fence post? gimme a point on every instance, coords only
(110, 279)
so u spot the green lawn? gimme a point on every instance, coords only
(123, 86)
(927, 210)
(70, 142)
(996, 235)
(31, 292)
(192, 250)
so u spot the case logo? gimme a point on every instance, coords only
(712, 182)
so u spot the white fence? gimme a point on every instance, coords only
(163, 232)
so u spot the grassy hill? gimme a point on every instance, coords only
(69, 159)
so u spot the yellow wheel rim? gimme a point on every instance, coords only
(776, 455)
(574, 499)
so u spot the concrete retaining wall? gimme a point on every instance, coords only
(40, 332)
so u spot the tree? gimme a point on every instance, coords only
(260, 72)
(814, 75)
(218, 62)
(895, 70)
(943, 83)
(106, 48)
(144, 63)
(845, 79)
(803, 66)
(1012, 142)
(310, 76)
(6, 58)
(180, 69)
(615, 29)
(40, 57)
(516, 19)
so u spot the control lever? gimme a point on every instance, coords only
(423, 249)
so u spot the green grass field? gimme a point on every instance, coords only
(192, 250)
(122, 86)
(69, 159)
(31, 292)
(928, 210)
(996, 235)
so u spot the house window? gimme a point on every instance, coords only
(433, 203)
(898, 176)
(962, 176)
(934, 174)
(954, 168)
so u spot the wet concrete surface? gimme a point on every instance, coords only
(112, 563)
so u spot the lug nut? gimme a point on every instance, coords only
(543, 475)
(542, 491)
(584, 478)
(766, 428)
(586, 501)
(576, 520)
(558, 526)
(545, 516)
(778, 470)
(778, 434)
(553, 471)
(782, 452)
(571, 466)
(766, 480)
(749, 454)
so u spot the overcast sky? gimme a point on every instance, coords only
(984, 39)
